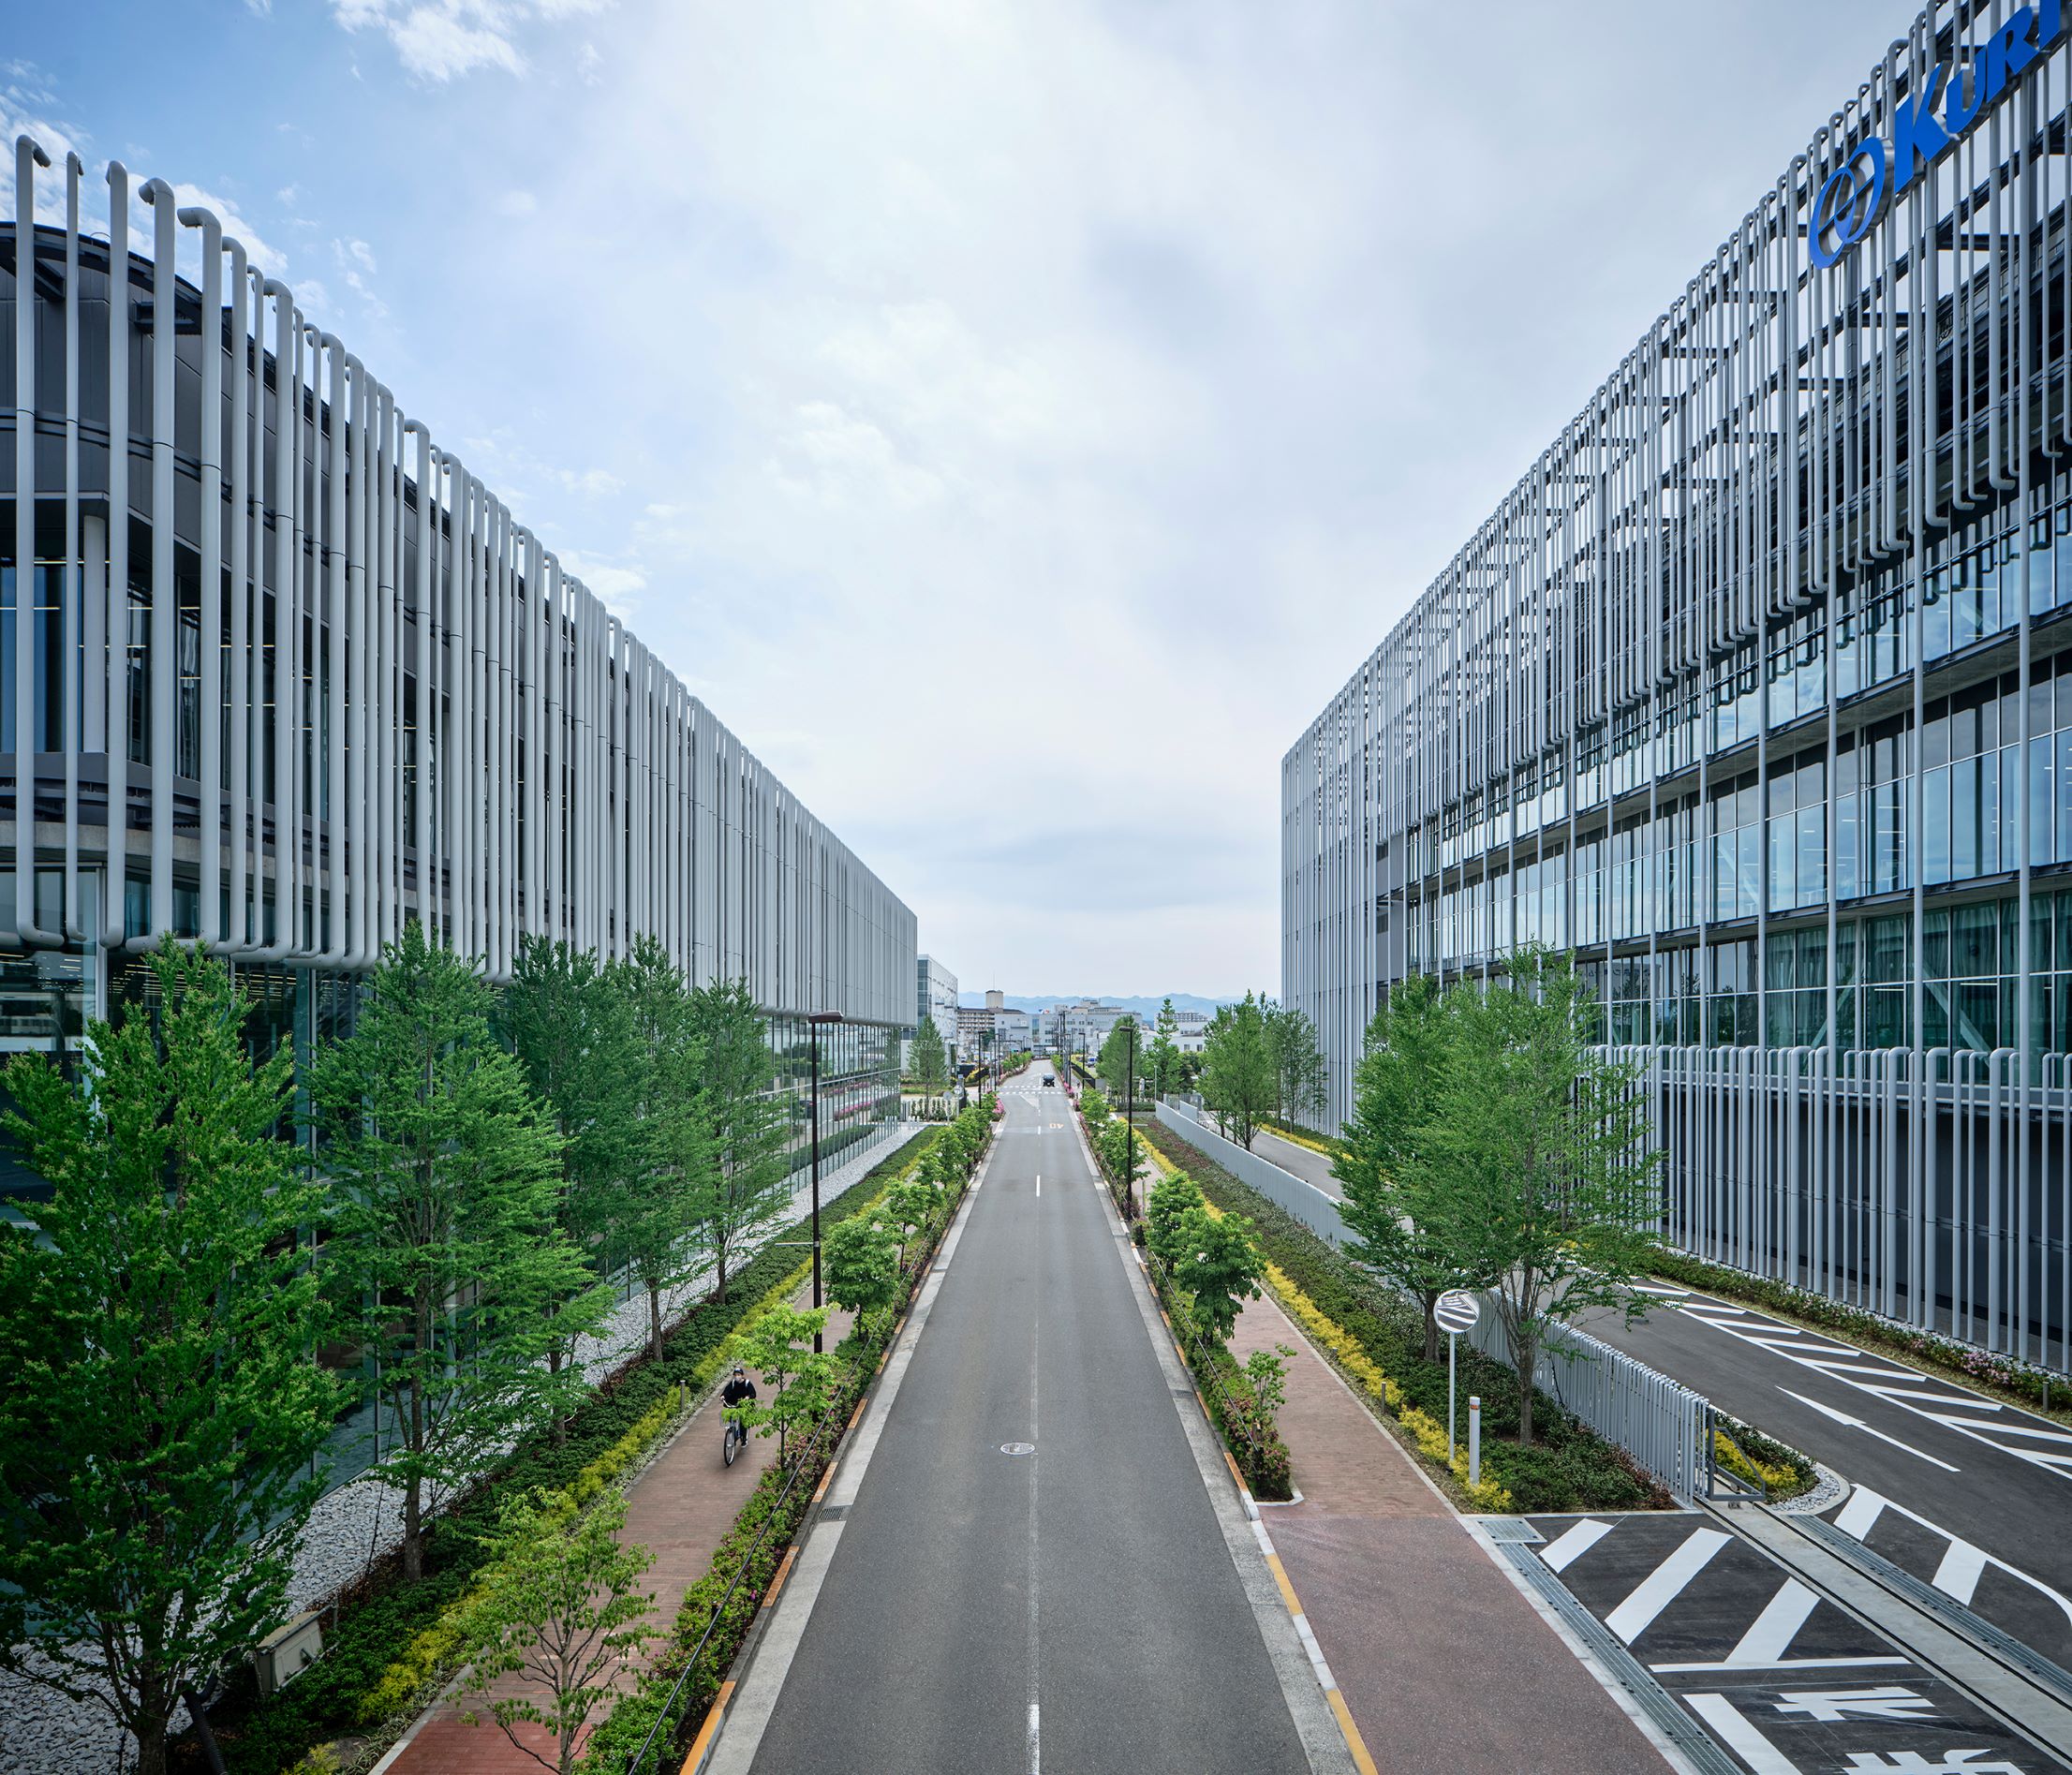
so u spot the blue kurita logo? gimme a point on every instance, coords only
(1854, 195)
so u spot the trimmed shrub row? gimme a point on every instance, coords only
(1246, 1425)
(1961, 1362)
(355, 1688)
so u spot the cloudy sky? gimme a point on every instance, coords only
(1013, 421)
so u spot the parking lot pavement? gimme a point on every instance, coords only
(1781, 1679)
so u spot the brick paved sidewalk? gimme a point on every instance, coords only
(680, 1509)
(1444, 1666)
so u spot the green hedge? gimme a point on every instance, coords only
(1961, 1361)
(384, 1614)
(1569, 1466)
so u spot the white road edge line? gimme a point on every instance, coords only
(1299, 1668)
(755, 1701)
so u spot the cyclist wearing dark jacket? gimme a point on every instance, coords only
(739, 1389)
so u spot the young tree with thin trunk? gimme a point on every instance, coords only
(1219, 1264)
(162, 1404)
(1380, 1163)
(744, 1183)
(446, 1259)
(1301, 1074)
(930, 1062)
(573, 1032)
(1551, 1193)
(798, 1378)
(560, 1606)
(1238, 1079)
(1121, 1056)
(1162, 1059)
(860, 1256)
(657, 1213)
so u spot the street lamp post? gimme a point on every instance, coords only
(814, 1022)
(1130, 1122)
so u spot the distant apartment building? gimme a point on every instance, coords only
(936, 1000)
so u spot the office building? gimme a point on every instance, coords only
(287, 674)
(1756, 693)
(936, 1000)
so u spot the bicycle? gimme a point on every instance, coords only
(733, 1440)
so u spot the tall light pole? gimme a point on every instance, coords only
(814, 1023)
(1129, 1121)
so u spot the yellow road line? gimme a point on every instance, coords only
(1353, 1741)
(783, 1572)
(701, 1746)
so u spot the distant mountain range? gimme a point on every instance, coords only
(1146, 1008)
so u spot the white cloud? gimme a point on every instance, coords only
(619, 585)
(445, 40)
(1098, 379)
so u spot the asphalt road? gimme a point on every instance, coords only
(1967, 1494)
(1088, 1580)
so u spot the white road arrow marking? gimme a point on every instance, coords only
(1858, 1423)
(1894, 1385)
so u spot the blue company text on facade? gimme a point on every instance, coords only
(1756, 693)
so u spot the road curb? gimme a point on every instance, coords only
(1324, 1725)
(756, 1690)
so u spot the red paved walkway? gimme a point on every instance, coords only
(680, 1509)
(1444, 1666)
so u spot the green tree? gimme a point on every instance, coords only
(1121, 1149)
(668, 1188)
(1238, 1079)
(1121, 1058)
(746, 1176)
(1165, 1212)
(1301, 1074)
(1409, 1048)
(858, 1256)
(572, 1031)
(1162, 1059)
(1551, 1193)
(162, 1407)
(800, 1381)
(1219, 1266)
(930, 1064)
(559, 1606)
(446, 1258)
(909, 1205)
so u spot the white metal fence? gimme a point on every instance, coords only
(1300, 1197)
(1661, 1423)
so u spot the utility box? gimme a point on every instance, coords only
(288, 1651)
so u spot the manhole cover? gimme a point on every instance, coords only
(1018, 1448)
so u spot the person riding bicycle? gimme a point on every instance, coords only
(738, 1391)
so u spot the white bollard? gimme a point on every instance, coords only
(1475, 1440)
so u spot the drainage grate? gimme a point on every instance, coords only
(1680, 1729)
(1952, 1614)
